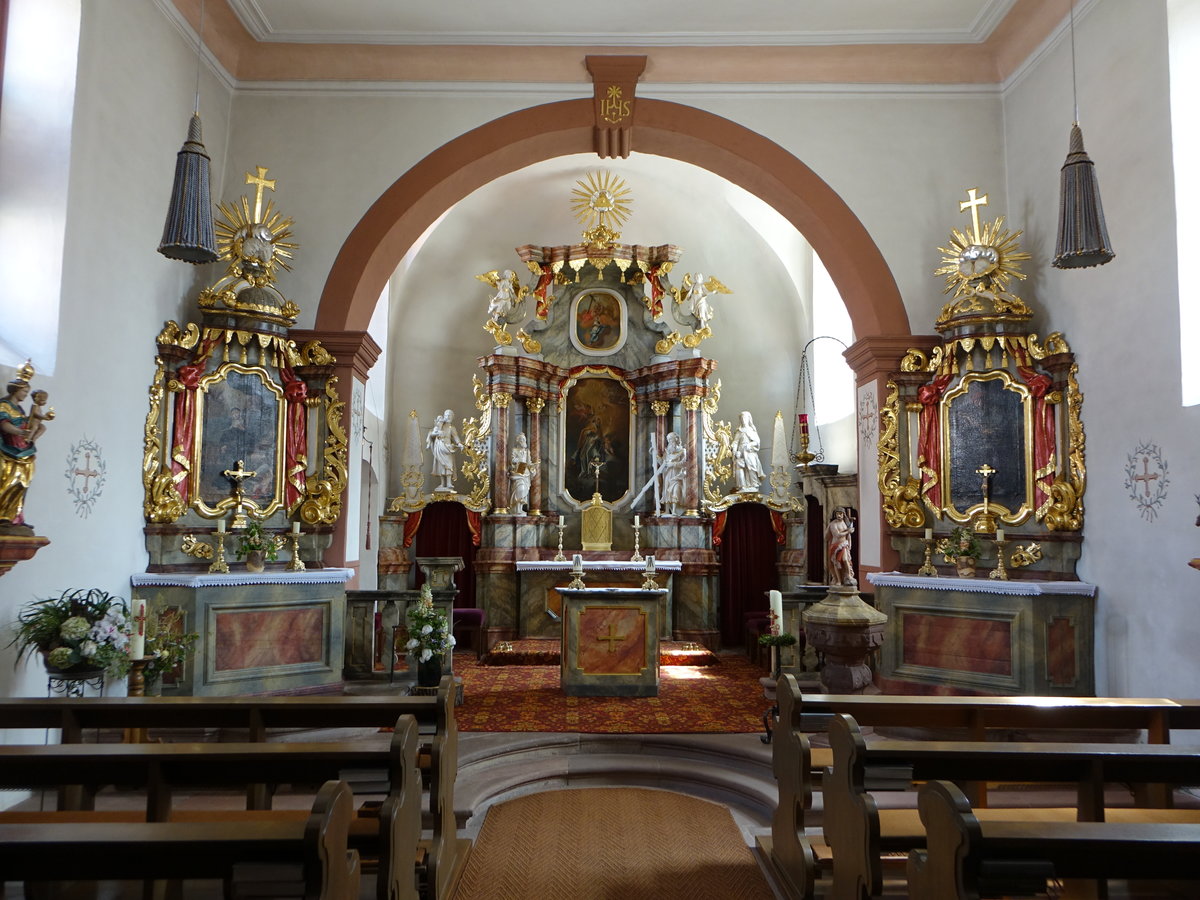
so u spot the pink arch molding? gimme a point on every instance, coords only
(395, 221)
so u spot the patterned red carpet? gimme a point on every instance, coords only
(723, 698)
(541, 652)
(605, 843)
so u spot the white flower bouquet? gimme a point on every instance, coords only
(79, 629)
(428, 631)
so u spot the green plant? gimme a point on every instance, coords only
(428, 631)
(777, 640)
(167, 644)
(254, 538)
(80, 628)
(961, 542)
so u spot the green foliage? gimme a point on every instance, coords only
(167, 644)
(961, 542)
(80, 628)
(428, 631)
(254, 538)
(777, 640)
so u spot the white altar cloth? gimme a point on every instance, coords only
(233, 579)
(981, 585)
(610, 565)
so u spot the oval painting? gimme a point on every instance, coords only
(598, 322)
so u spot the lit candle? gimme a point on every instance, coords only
(929, 534)
(636, 521)
(220, 526)
(295, 528)
(562, 520)
(1000, 534)
(137, 640)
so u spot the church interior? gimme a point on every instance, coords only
(609, 346)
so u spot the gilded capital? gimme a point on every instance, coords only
(691, 404)
(660, 407)
(501, 399)
(535, 404)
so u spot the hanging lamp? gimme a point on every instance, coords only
(1082, 234)
(188, 231)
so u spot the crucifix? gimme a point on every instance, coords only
(596, 466)
(612, 637)
(87, 471)
(985, 522)
(260, 181)
(237, 475)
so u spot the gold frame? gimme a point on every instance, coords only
(611, 374)
(1003, 513)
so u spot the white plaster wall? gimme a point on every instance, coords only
(1121, 320)
(136, 79)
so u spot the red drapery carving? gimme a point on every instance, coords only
(777, 524)
(929, 440)
(185, 426)
(295, 438)
(542, 290)
(1044, 436)
(748, 567)
(718, 527)
(411, 524)
(654, 276)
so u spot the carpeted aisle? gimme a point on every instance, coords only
(721, 699)
(610, 844)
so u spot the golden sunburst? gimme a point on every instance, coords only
(254, 242)
(988, 257)
(601, 199)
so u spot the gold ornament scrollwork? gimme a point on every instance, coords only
(1066, 503)
(914, 361)
(900, 499)
(172, 335)
(313, 354)
(664, 346)
(528, 342)
(498, 332)
(476, 433)
(196, 549)
(162, 502)
(322, 502)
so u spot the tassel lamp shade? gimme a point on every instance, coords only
(188, 231)
(1082, 234)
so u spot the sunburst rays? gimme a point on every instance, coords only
(602, 199)
(995, 258)
(237, 224)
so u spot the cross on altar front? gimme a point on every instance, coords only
(1146, 477)
(260, 181)
(87, 471)
(612, 637)
(973, 204)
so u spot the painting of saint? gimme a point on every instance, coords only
(599, 323)
(597, 424)
(986, 426)
(241, 421)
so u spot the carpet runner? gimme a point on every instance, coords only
(542, 652)
(605, 843)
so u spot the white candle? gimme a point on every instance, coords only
(562, 520)
(636, 521)
(137, 640)
(295, 528)
(1000, 534)
(777, 608)
(577, 562)
(929, 534)
(220, 526)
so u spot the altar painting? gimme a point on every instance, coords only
(987, 424)
(597, 426)
(598, 322)
(242, 420)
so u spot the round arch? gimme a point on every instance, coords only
(402, 213)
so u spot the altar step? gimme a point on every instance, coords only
(547, 652)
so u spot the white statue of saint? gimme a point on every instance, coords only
(748, 467)
(696, 299)
(673, 469)
(520, 474)
(444, 441)
(504, 299)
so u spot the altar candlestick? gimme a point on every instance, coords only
(137, 640)
(295, 528)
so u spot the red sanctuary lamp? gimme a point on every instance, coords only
(804, 457)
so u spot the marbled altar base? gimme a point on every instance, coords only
(610, 642)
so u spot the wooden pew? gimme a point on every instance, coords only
(188, 850)
(967, 857)
(858, 832)
(393, 838)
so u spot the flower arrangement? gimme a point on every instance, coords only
(961, 542)
(254, 539)
(428, 631)
(79, 629)
(167, 644)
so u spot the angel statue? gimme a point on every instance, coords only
(696, 292)
(18, 432)
(508, 292)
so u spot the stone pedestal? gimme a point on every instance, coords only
(439, 571)
(610, 642)
(845, 630)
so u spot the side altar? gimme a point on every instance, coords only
(245, 458)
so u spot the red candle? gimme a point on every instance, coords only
(804, 423)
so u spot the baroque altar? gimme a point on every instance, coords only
(244, 449)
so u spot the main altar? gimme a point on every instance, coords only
(595, 433)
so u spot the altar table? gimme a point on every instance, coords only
(610, 642)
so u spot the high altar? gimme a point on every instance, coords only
(244, 435)
(596, 433)
(981, 442)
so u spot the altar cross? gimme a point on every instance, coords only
(973, 203)
(1146, 477)
(596, 467)
(87, 471)
(260, 181)
(612, 637)
(987, 472)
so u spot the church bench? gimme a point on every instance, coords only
(858, 832)
(967, 856)
(317, 846)
(391, 836)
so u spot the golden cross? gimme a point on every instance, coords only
(974, 203)
(985, 470)
(611, 637)
(261, 181)
(238, 472)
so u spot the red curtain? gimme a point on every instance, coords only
(748, 567)
(295, 438)
(444, 531)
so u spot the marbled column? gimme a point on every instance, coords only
(692, 441)
(500, 402)
(535, 405)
